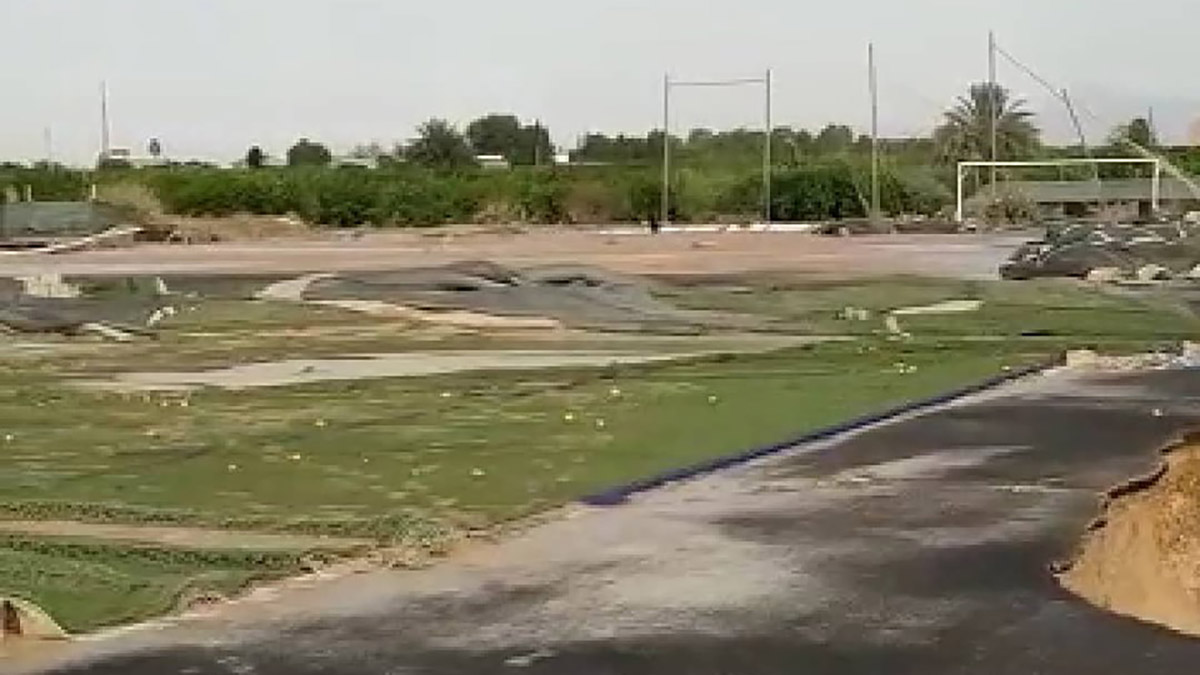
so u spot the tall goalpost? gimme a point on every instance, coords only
(1155, 181)
(763, 81)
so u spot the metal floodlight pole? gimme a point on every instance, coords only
(668, 84)
(767, 152)
(104, 124)
(993, 99)
(666, 141)
(874, 87)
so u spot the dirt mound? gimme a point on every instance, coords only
(1142, 557)
(20, 619)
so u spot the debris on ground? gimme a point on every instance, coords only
(1109, 252)
(1105, 275)
(1153, 272)
(854, 314)
(892, 321)
(1086, 359)
(47, 286)
(526, 660)
(489, 295)
(50, 303)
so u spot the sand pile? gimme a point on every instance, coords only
(1142, 558)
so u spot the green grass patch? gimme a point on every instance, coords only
(1046, 307)
(86, 586)
(406, 460)
(363, 457)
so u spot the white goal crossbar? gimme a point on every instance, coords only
(1155, 183)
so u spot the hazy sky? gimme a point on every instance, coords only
(210, 77)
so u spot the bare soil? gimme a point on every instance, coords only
(182, 537)
(975, 255)
(1142, 558)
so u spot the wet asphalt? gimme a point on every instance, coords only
(922, 546)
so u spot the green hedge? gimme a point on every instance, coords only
(414, 197)
(47, 185)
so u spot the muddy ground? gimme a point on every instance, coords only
(921, 546)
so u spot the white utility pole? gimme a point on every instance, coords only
(105, 146)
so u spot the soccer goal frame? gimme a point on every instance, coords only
(1155, 182)
(669, 85)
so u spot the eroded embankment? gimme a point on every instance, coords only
(1141, 558)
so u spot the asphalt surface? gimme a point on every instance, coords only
(921, 546)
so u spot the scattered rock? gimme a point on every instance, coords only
(892, 324)
(1086, 359)
(1153, 272)
(1190, 354)
(1078, 249)
(526, 660)
(1082, 358)
(854, 314)
(193, 599)
(47, 286)
(1105, 275)
(159, 315)
(106, 331)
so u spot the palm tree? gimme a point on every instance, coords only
(966, 135)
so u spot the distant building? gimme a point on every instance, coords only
(497, 162)
(1194, 133)
(125, 156)
(355, 162)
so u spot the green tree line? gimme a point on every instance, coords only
(435, 177)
